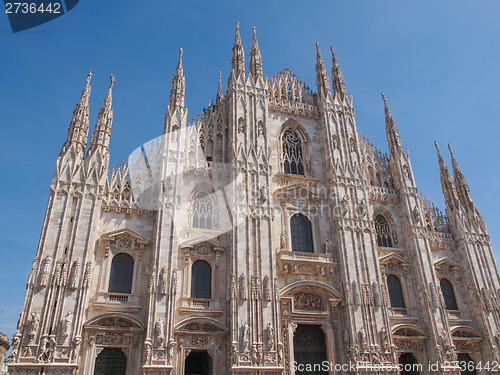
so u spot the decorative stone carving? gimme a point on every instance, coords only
(87, 275)
(173, 283)
(307, 301)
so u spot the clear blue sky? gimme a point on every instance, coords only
(438, 63)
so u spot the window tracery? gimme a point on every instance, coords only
(293, 157)
(385, 236)
(202, 211)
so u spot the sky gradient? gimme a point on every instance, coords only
(437, 63)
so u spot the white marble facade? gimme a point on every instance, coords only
(223, 190)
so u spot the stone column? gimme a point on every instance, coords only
(4, 347)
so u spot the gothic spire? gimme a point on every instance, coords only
(338, 79)
(449, 191)
(391, 129)
(462, 186)
(102, 132)
(238, 61)
(322, 80)
(79, 127)
(178, 92)
(219, 90)
(255, 58)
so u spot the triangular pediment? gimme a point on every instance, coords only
(211, 242)
(125, 232)
(446, 263)
(394, 258)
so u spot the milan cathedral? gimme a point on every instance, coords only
(265, 236)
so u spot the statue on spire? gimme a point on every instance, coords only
(255, 57)
(322, 80)
(79, 127)
(178, 92)
(238, 61)
(338, 79)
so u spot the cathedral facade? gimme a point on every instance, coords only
(265, 236)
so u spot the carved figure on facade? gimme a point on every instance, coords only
(77, 344)
(73, 277)
(235, 358)
(45, 275)
(16, 341)
(170, 351)
(384, 338)
(355, 294)
(245, 334)
(65, 325)
(34, 324)
(163, 281)
(160, 332)
(147, 352)
(243, 287)
(270, 336)
(376, 294)
(363, 339)
(267, 289)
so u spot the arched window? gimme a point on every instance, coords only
(384, 237)
(467, 364)
(122, 271)
(293, 157)
(301, 234)
(201, 275)
(395, 292)
(448, 294)
(202, 211)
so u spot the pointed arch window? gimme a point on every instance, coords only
(301, 229)
(395, 292)
(201, 275)
(448, 294)
(293, 156)
(122, 271)
(383, 230)
(202, 211)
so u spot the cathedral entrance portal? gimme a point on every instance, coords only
(309, 349)
(111, 361)
(198, 363)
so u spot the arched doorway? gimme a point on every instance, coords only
(110, 361)
(409, 364)
(466, 364)
(309, 345)
(198, 363)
